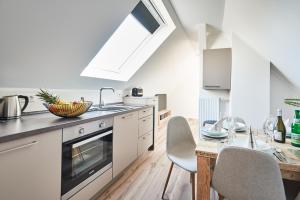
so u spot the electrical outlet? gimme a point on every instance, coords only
(32, 99)
(118, 93)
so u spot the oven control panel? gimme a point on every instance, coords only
(80, 130)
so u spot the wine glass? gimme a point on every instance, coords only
(269, 127)
(231, 124)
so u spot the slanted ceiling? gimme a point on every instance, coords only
(270, 27)
(47, 43)
(194, 12)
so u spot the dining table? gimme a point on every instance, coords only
(207, 151)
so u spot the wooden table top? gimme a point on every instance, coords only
(211, 148)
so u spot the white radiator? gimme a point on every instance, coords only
(209, 109)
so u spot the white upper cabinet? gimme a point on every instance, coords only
(217, 69)
(133, 42)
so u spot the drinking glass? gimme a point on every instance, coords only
(269, 127)
(231, 122)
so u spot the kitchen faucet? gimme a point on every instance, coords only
(101, 89)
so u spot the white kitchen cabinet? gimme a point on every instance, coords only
(30, 168)
(145, 112)
(125, 141)
(145, 125)
(145, 130)
(145, 101)
(217, 69)
(145, 142)
(94, 187)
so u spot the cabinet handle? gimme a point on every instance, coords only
(124, 117)
(102, 124)
(212, 86)
(81, 131)
(19, 147)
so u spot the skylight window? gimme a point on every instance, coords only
(144, 16)
(125, 40)
(131, 44)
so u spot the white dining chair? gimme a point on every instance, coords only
(298, 196)
(246, 174)
(181, 149)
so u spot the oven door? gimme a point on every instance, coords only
(84, 159)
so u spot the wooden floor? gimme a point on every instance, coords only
(145, 178)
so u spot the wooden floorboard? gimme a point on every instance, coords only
(145, 178)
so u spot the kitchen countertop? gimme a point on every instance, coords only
(41, 123)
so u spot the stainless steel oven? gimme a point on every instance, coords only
(86, 154)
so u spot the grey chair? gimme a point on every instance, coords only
(246, 174)
(181, 149)
(298, 196)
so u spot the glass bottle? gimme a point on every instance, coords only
(280, 131)
(295, 136)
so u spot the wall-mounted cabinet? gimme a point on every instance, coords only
(217, 69)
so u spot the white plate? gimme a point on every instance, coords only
(214, 132)
(240, 127)
(219, 136)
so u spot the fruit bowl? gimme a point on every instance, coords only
(69, 110)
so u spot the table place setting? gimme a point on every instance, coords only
(232, 131)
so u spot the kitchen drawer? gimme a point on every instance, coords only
(144, 143)
(94, 187)
(146, 112)
(86, 128)
(145, 125)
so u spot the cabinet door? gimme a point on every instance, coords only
(217, 68)
(125, 141)
(31, 167)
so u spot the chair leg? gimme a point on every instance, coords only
(167, 181)
(193, 185)
(220, 197)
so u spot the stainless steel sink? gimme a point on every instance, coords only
(113, 108)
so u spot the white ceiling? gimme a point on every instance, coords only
(194, 12)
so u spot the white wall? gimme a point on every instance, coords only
(210, 41)
(270, 27)
(194, 12)
(35, 104)
(250, 84)
(47, 43)
(216, 38)
(282, 88)
(173, 69)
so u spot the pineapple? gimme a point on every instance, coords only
(60, 107)
(47, 97)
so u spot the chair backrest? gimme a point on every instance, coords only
(179, 135)
(246, 174)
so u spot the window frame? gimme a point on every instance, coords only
(143, 52)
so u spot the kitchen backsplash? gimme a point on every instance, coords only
(35, 104)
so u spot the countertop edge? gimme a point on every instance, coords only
(23, 134)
